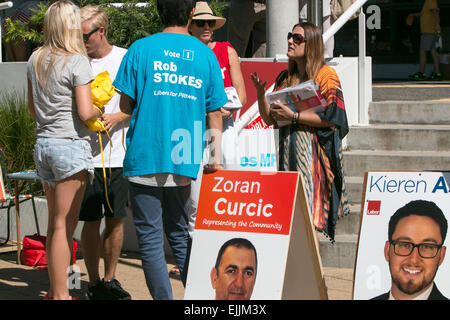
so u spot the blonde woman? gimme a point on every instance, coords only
(59, 97)
(312, 143)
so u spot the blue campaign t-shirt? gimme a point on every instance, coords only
(174, 80)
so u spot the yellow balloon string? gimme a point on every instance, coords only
(104, 171)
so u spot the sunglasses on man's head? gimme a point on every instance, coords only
(297, 37)
(201, 23)
(86, 36)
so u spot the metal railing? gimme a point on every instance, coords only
(3, 6)
(335, 27)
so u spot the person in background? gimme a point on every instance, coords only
(170, 83)
(430, 30)
(104, 57)
(248, 20)
(203, 23)
(59, 98)
(326, 23)
(312, 143)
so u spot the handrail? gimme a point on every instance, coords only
(3, 6)
(337, 25)
(6, 5)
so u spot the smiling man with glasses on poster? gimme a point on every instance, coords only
(415, 251)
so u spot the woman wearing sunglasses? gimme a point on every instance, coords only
(202, 26)
(204, 22)
(312, 143)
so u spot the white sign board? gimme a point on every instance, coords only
(384, 194)
(257, 150)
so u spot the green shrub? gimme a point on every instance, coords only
(130, 22)
(17, 136)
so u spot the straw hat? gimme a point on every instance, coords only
(204, 12)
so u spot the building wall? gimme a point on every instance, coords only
(13, 76)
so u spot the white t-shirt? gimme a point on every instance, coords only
(111, 63)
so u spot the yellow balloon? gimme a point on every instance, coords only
(102, 89)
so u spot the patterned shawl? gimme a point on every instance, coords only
(317, 154)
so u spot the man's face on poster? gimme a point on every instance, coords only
(413, 273)
(236, 275)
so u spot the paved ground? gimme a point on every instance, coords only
(18, 282)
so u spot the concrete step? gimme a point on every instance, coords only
(340, 254)
(350, 223)
(357, 162)
(412, 91)
(400, 137)
(410, 112)
(354, 186)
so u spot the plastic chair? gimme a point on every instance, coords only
(8, 198)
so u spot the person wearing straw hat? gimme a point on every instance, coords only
(203, 23)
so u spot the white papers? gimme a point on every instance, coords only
(233, 99)
(304, 97)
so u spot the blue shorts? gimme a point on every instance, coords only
(58, 159)
(429, 41)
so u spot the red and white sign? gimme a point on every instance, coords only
(259, 208)
(257, 150)
(267, 70)
(373, 207)
(248, 202)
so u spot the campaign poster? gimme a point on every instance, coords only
(257, 150)
(384, 194)
(248, 207)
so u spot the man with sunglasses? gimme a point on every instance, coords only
(104, 57)
(415, 251)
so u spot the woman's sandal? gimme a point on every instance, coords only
(48, 297)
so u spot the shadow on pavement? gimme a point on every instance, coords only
(20, 282)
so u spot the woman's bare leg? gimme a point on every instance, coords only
(64, 208)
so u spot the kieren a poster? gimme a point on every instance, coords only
(386, 193)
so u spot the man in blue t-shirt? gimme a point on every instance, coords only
(170, 83)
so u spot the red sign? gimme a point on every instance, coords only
(266, 70)
(247, 201)
(373, 207)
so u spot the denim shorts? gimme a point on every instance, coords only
(429, 41)
(58, 159)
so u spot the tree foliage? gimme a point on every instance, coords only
(127, 23)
